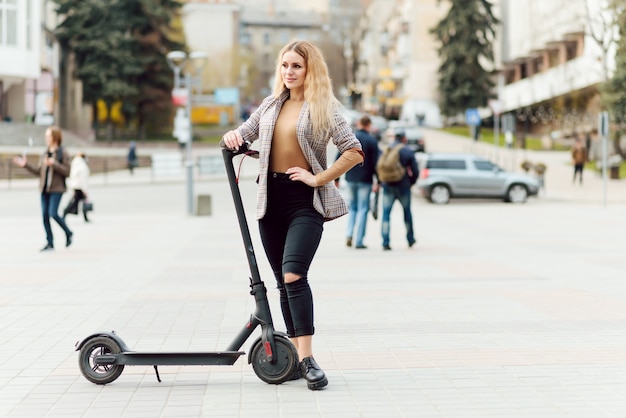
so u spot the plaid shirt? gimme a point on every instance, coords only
(260, 125)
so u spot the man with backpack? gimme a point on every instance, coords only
(361, 182)
(397, 171)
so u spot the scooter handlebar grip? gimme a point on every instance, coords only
(243, 148)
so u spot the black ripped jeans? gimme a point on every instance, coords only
(291, 232)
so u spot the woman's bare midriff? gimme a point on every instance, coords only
(286, 151)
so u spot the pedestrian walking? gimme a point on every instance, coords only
(132, 156)
(398, 188)
(53, 167)
(78, 182)
(296, 190)
(361, 181)
(579, 158)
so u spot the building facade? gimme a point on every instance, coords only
(263, 33)
(21, 59)
(397, 66)
(550, 65)
(547, 67)
(243, 37)
(36, 82)
(212, 27)
(380, 53)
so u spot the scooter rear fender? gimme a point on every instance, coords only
(112, 335)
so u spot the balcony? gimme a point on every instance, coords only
(574, 75)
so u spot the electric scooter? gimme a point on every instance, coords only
(103, 355)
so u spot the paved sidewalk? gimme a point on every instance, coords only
(500, 310)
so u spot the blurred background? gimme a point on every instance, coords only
(103, 70)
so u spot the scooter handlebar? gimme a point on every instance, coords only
(243, 149)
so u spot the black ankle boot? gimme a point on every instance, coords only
(314, 375)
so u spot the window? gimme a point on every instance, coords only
(266, 38)
(554, 58)
(535, 65)
(571, 50)
(283, 37)
(244, 36)
(446, 164)
(484, 165)
(8, 22)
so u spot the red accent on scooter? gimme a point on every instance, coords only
(268, 349)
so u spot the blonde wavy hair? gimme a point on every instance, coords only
(318, 90)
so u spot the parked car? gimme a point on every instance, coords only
(415, 139)
(443, 176)
(414, 135)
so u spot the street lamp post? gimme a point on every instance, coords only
(178, 60)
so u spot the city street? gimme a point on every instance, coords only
(499, 310)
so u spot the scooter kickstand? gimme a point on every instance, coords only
(156, 370)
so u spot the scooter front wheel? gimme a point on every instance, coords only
(286, 361)
(100, 374)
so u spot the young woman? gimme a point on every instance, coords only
(296, 190)
(77, 181)
(52, 169)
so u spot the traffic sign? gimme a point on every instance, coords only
(227, 95)
(472, 117)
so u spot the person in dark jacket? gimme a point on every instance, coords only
(361, 181)
(132, 156)
(52, 169)
(400, 191)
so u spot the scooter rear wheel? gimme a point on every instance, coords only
(100, 374)
(286, 361)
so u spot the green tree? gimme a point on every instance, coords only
(466, 35)
(614, 89)
(94, 31)
(156, 26)
(120, 48)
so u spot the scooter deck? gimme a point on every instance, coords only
(220, 358)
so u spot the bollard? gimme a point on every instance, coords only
(203, 205)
